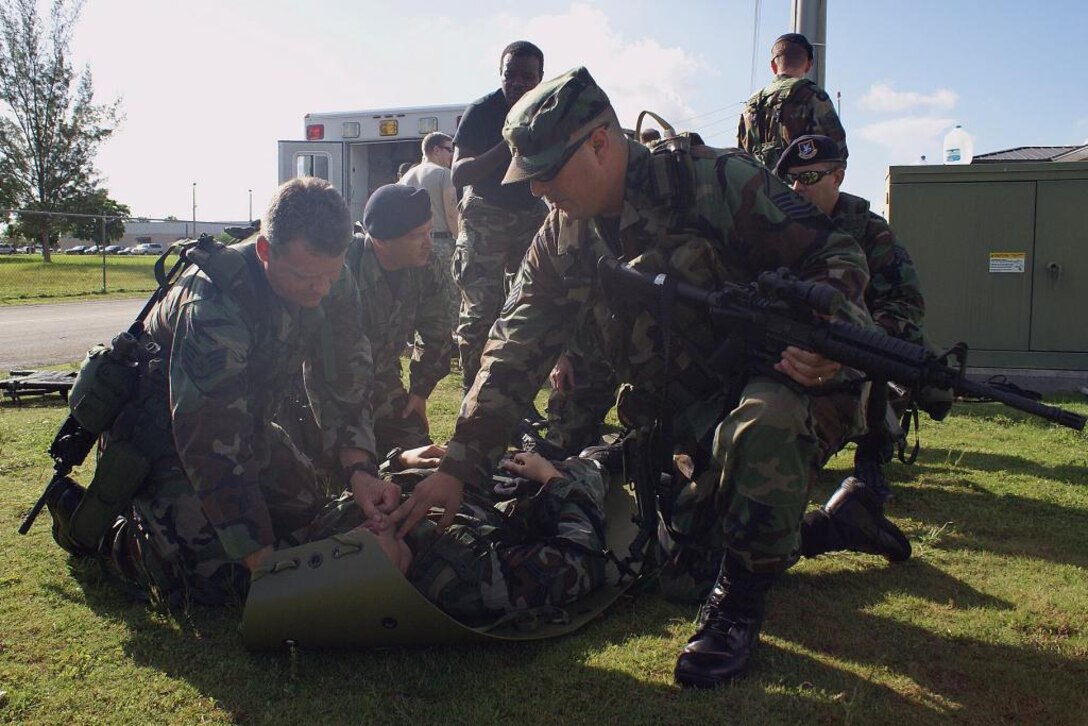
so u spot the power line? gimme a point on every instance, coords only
(755, 47)
(710, 113)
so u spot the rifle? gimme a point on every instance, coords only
(778, 310)
(92, 411)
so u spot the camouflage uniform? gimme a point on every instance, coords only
(396, 305)
(708, 219)
(225, 480)
(544, 550)
(490, 244)
(778, 114)
(575, 417)
(894, 296)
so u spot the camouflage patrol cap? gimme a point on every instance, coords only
(808, 149)
(548, 123)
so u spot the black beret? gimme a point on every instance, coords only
(395, 210)
(808, 149)
(796, 39)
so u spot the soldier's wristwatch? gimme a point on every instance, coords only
(392, 460)
(365, 466)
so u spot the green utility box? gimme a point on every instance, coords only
(1002, 252)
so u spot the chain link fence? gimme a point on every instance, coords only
(79, 268)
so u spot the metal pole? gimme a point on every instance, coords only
(810, 20)
(103, 255)
(250, 217)
(194, 210)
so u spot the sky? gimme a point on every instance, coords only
(208, 87)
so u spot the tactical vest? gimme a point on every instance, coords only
(119, 391)
(764, 138)
(682, 246)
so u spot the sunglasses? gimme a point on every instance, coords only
(808, 178)
(568, 153)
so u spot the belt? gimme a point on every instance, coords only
(441, 235)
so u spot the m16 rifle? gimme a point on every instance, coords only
(761, 319)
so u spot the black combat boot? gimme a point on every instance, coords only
(729, 623)
(853, 519)
(63, 498)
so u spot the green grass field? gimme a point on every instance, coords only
(988, 622)
(27, 279)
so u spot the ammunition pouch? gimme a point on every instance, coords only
(120, 473)
(107, 381)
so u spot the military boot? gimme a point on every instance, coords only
(853, 519)
(63, 498)
(728, 629)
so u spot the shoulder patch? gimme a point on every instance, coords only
(792, 204)
(201, 367)
(512, 298)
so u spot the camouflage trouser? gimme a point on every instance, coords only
(528, 553)
(750, 500)
(575, 417)
(490, 246)
(391, 430)
(443, 250)
(166, 547)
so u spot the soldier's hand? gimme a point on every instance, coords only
(532, 466)
(424, 457)
(807, 368)
(562, 375)
(437, 490)
(417, 404)
(376, 497)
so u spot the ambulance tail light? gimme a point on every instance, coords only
(315, 132)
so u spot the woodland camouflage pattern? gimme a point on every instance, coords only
(396, 306)
(226, 481)
(735, 221)
(894, 295)
(543, 550)
(575, 417)
(490, 246)
(778, 114)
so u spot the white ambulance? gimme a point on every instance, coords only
(359, 151)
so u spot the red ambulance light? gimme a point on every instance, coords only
(315, 132)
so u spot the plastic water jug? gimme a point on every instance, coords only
(959, 147)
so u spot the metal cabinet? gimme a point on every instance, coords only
(1002, 252)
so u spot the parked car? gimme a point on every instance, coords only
(114, 249)
(148, 248)
(76, 250)
(6, 249)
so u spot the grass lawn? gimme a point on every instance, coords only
(987, 623)
(26, 279)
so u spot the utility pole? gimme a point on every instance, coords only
(810, 20)
(250, 217)
(194, 210)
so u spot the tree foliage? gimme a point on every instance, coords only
(51, 128)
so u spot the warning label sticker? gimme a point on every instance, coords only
(1007, 261)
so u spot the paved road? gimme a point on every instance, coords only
(36, 335)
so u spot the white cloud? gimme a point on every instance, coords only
(882, 97)
(637, 73)
(908, 137)
(214, 116)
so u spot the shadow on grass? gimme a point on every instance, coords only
(1006, 524)
(832, 614)
(617, 670)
